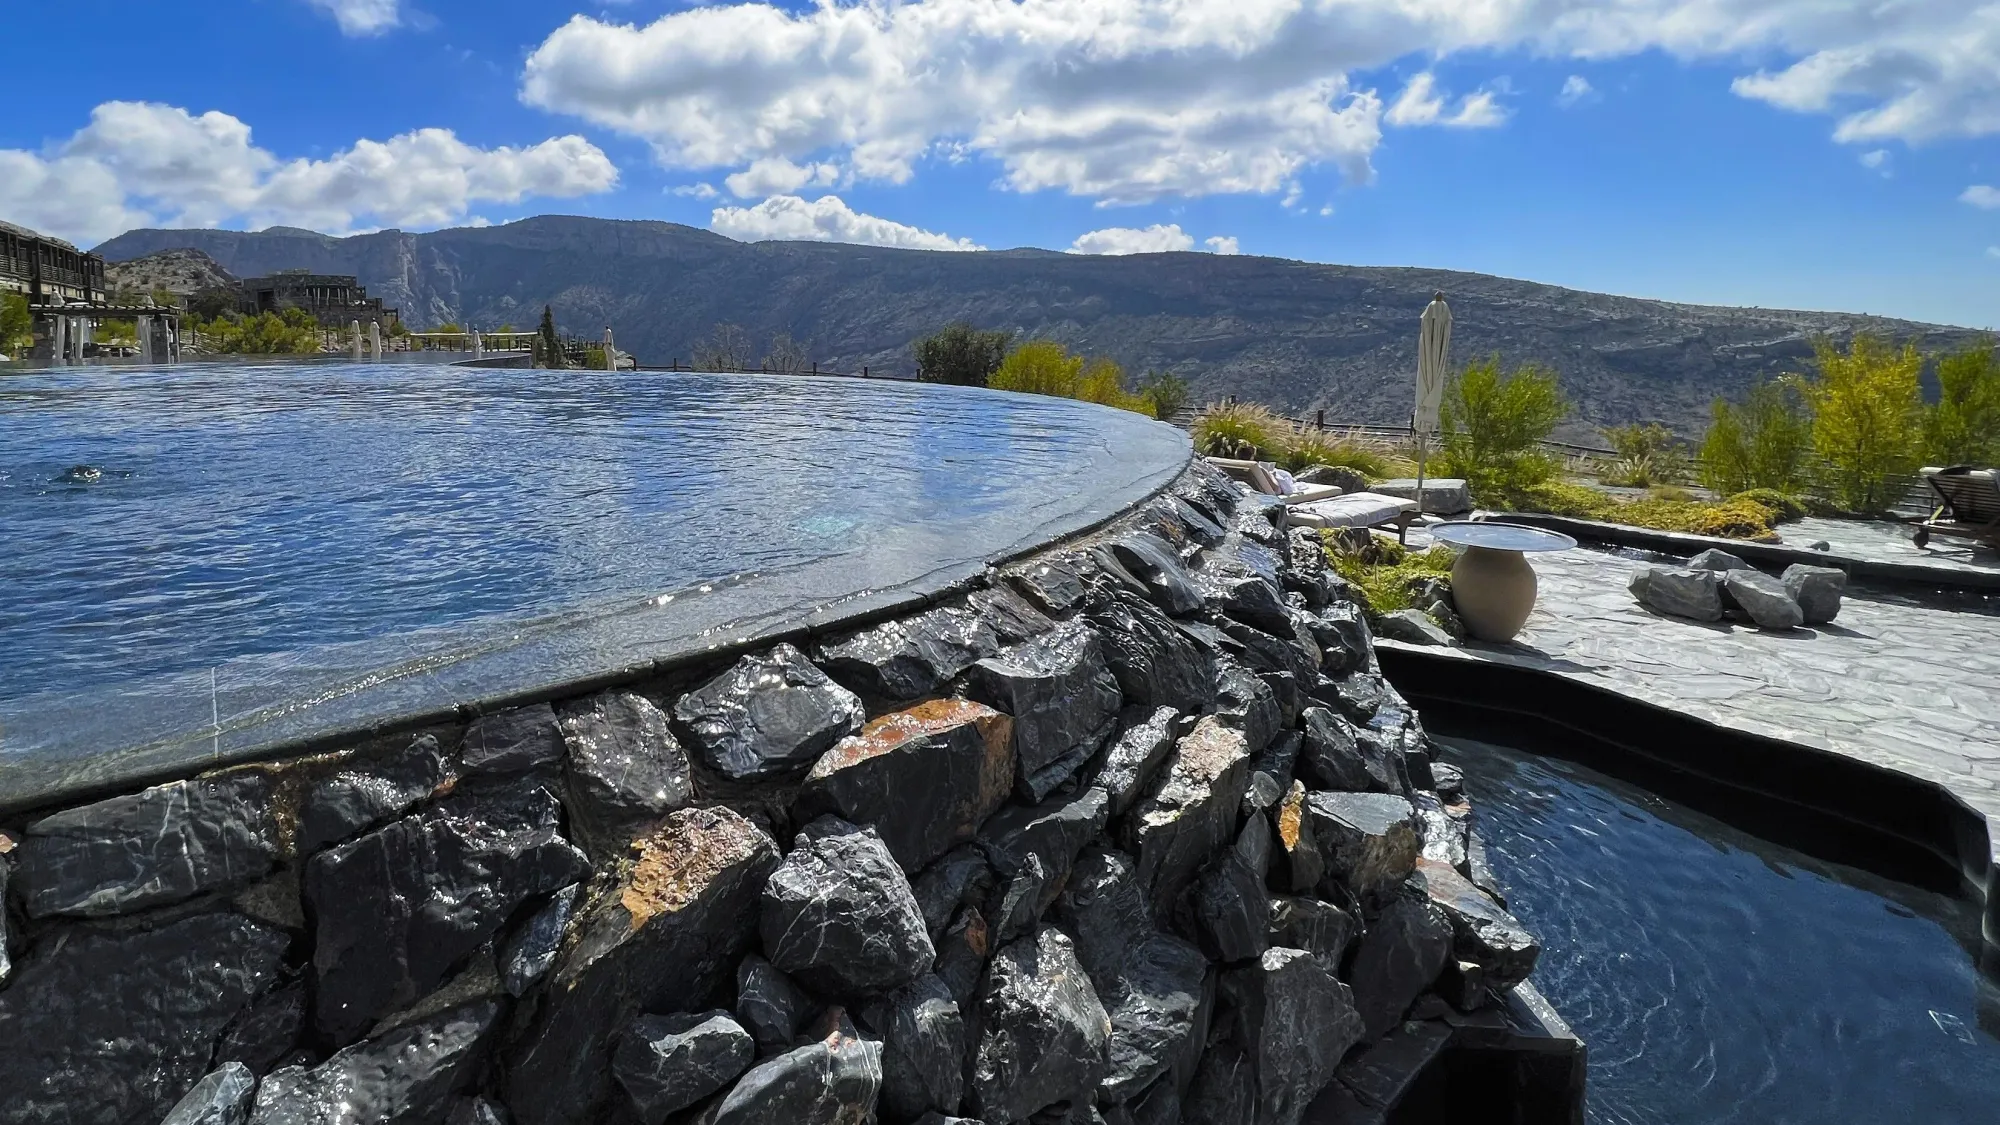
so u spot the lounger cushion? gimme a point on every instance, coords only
(1356, 509)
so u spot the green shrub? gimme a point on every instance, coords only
(1648, 454)
(961, 354)
(1763, 444)
(1302, 447)
(292, 332)
(1493, 425)
(16, 322)
(1245, 430)
(1044, 367)
(1867, 419)
(1784, 507)
(1735, 518)
(1964, 427)
(1387, 586)
(1166, 394)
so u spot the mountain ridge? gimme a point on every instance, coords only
(1299, 336)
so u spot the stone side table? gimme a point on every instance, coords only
(1492, 585)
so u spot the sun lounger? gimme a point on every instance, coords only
(1968, 506)
(1264, 477)
(1356, 509)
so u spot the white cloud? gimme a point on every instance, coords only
(1421, 104)
(826, 219)
(362, 17)
(1982, 196)
(774, 175)
(1156, 239)
(1222, 244)
(1875, 158)
(1131, 100)
(698, 191)
(1575, 89)
(141, 163)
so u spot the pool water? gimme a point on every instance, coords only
(1719, 978)
(261, 540)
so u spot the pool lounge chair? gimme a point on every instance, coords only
(1264, 477)
(1968, 506)
(1356, 509)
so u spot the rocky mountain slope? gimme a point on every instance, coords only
(180, 272)
(1298, 335)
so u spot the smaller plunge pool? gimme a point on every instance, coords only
(1721, 978)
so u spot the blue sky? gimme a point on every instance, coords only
(1794, 153)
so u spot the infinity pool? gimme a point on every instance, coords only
(1719, 978)
(267, 551)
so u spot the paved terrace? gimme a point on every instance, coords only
(1892, 681)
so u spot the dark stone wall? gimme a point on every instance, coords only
(1134, 832)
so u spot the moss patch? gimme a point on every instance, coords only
(1743, 516)
(1387, 585)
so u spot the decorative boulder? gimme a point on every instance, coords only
(1062, 697)
(923, 1049)
(530, 951)
(626, 769)
(1693, 594)
(1411, 626)
(398, 908)
(1229, 901)
(769, 1004)
(834, 1080)
(1295, 1021)
(1145, 737)
(676, 918)
(1060, 585)
(406, 1076)
(1246, 702)
(1816, 589)
(1031, 850)
(1444, 496)
(1330, 757)
(668, 1063)
(925, 778)
(1041, 1030)
(1155, 662)
(118, 1025)
(1341, 631)
(839, 916)
(1190, 813)
(151, 848)
(1764, 598)
(1154, 563)
(1318, 927)
(522, 738)
(771, 713)
(1482, 932)
(1719, 561)
(960, 877)
(369, 791)
(1369, 839)
(1303, 865)
(1401, 954)
(222, 1098)
(911, 658)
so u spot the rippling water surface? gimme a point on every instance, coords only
(260, 528)
(1719, 978)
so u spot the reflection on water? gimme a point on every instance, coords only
(1720, 978)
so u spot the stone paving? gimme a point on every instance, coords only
(1892, 681)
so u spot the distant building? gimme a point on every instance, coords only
(49, 270)
(335, 300)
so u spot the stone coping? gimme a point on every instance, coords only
(1819, 800)
(1775, 556)
(547, 661)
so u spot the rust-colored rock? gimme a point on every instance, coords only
(925, 777)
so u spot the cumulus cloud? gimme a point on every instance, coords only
(1421, 104)
(1575, 89)
(362, 17)
(1131, 100)
(1983, 196)
(826, 219)
(698, 191)
(1160, 238)
(142, 163)
(1222, 244)
(774, 175)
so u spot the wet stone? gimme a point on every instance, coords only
(1764, 598)
(1145, 737)
(266, 1031)
(1236, 588)
(1412, 626)
(1301, 865)
(1154, 661)
(625, 769)
(1316, 926)
(839, 916)
(151, 848)
(222, 1098)
(399, 907)
(925, 778)
(1153, 985)
(667, 930)
(1191, 812)
(772, 712)
(1154, 563)
(923, 1049)
(115, 1027)
(1230, 903)
(1330, 757)
(834, 1080)
(1012, 617)
(960, 877)
(521, 738)
(962, 952)
(1246, 702)
(530, 951)
(1059, 586)
(1817, 590)
(1263, 652)
(402, 1077)
(1449, 781)
(1031, 850)
(1041, 1030)
(1356, 696)
(1295, 1021)
(769, 1005)
(1693, 594)
(1369, 839)
(367, 793)
(1341, 631)
(1444, 834)
(1061, 695)
(1224, 1091)
(1718, 561)
(668, 1063)
(476, 1111)
(911, 658)
(1405, 948)
(1482, 932)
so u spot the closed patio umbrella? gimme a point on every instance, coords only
(1433, 359)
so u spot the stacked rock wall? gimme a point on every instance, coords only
(1135, 832)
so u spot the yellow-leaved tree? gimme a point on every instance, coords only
(1867, 419)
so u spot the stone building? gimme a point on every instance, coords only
(334, 300)
(49, 270)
